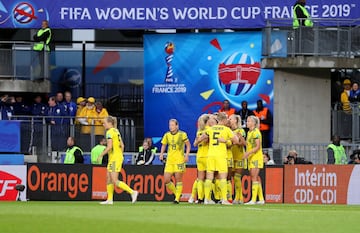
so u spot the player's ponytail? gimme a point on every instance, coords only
(112, 120)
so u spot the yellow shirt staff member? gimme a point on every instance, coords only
(256, 161)
(115, 149)
(175, 140)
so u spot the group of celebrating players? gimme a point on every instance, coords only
(224, 150)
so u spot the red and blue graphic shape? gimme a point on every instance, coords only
(24, 13)
(238, 73)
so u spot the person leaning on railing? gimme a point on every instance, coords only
(101, 114)
(87, 116)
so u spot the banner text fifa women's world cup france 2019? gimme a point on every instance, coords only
(155, 14)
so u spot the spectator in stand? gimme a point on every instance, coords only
(81, 103)
(354, 96)
(355, 157)
(263, 113)
(146, 154)
(71, 106)
(73, 153)
(226, 108)
(344, 98)
(6, 106)
(336, 152)
(244, 113)
(86, 118)
(59, 97)
(38, 108)
(101, 114)
(267, 158)
(55, 114)
(292, 158)
(96, 152)
(20, 107)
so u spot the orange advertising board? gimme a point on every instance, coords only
(320, 184)
(148, 181)
(274, 180)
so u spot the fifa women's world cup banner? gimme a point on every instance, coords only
(187, 75)
(144, 14)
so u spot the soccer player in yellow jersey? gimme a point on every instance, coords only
(201, 156)
(255, 159)
(238, 152)
(115, 149)
(175, 140)
(230, 163)
(218, 135)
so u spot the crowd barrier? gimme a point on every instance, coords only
(299, 184)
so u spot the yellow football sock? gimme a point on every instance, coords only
(200, 189)
(238, 187)
(217, 190)
(260, 193)
(207, 189)
(110, 191)
(194, 190)
(254, 190)
(124, 187)
(229, 192)
(178, 192)
(223, 189)
(171, 187)
(213, 188)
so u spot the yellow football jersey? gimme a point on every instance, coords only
(217, 148)
(203, 146)
(116, 151)
(251, 143)
(238, 151)
(175, 143)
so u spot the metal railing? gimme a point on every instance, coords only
(312, 152)
(40, 138)
(19, 61)
(342, 40)
(347, 124)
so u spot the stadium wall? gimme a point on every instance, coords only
(302, 100)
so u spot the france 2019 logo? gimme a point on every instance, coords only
(238, 74)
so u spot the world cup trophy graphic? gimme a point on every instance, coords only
(169, 49)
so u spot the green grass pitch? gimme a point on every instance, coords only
(165, 217)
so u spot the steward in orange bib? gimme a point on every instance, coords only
(265, 117)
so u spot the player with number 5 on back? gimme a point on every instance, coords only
(115, 150)
(175, 140)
